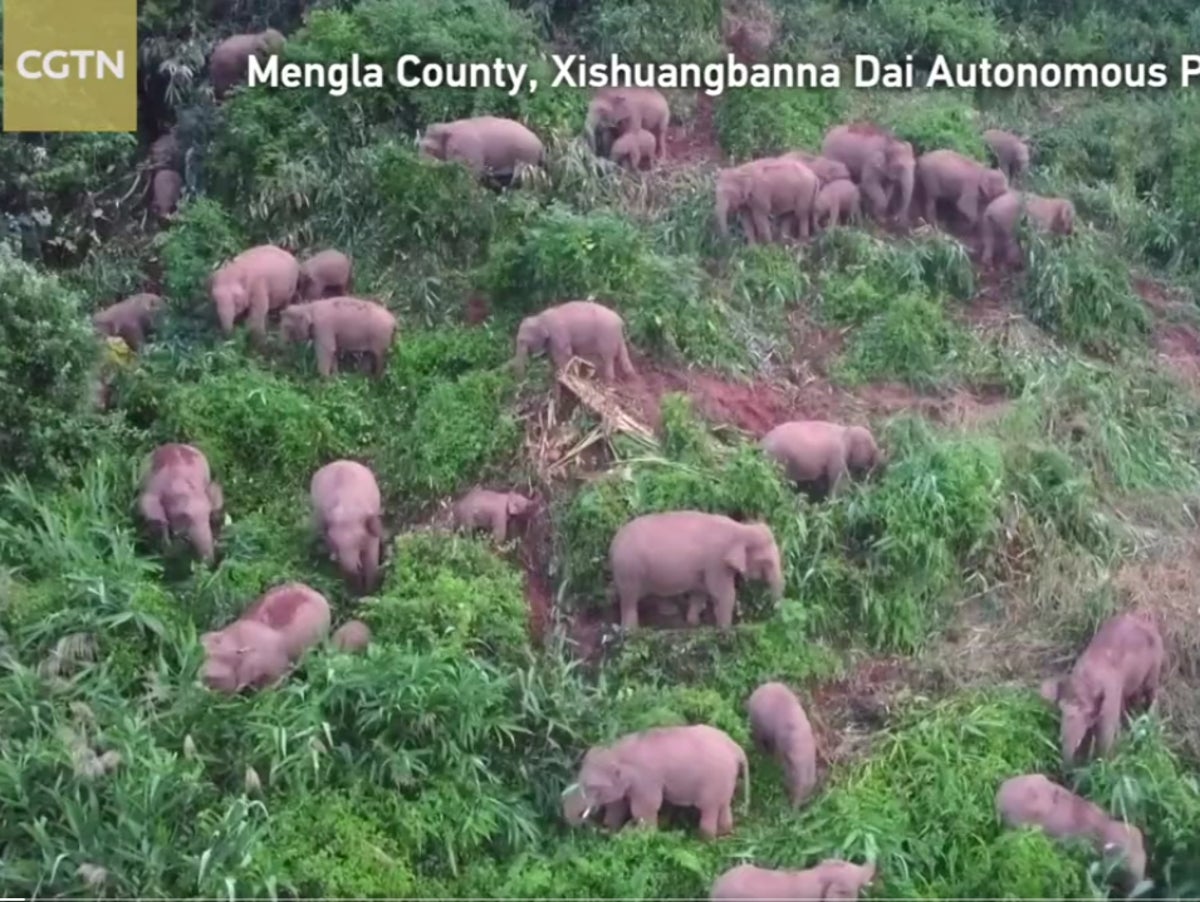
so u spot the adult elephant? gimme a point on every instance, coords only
(694, 554)
(1046, 214)
(760, 189)
(614, 112)
(947, 175)
(229, 64)
(487, 145)
(879, 161)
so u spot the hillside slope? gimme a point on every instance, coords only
(1040, 423)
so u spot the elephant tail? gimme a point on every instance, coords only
(744, 766)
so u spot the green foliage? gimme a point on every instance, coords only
(759, 122)
(635, 32)
(202, 237)
(48, 358)
(936, 120)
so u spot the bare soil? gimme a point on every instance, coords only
(695, 141)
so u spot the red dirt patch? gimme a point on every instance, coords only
(846, 712)
(695, 142)
(1179, 346)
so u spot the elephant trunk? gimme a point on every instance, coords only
(370, 567)
(521, 357)
(574, 806)
(907, 182)
(201, 536)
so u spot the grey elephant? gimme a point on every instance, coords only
(634, 149)
(1034, 799)
(999, 227)
(760, 189)
(252, 284)
(947, 175)
(819, 455)
(229, 64)
(1119, 671)
(165, 152)
(482, 508)
(614, 111)
(576, 329)
(833, 878)
(882, 164)
(694, 554)
(695, 766)
(165, 190)
(779, 727)
(342, 326)
(1011, 152)
(352, 637)
(179, 496)
(326, 274)
(347, 516)
(487, 145)
(838, 203)
(259, 648)
(825, 169)
(130, 320)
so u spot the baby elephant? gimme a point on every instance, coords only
(1037, 800)
(131, 319)
(339, 326)
(820, 454)
(258, 649)
(693, 554)
(179, 495)
(347, 509)
(833, 878)
(1046, 214)
(1012, 154)
(353, 637)
(252, 284)
(634, 149)
(695, 766)
(838, 203)
(947, 175)
(484, 509)
(328, 274)
(1118, 671)
(165, 190)
(780, 727)
(576, 328)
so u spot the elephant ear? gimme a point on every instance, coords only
(735, 557)
(374, 526)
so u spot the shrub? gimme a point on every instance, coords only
(635, 31)
(936, 120)
(48, 358)
(759, 122)
(202, 237)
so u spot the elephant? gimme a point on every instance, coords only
(340, 326)
(695, 766)
(246, 654)
(487, 145)
(837, 203)
(999, 226)
(762, 188)
(820, 455)
(576, 328)
(179, 496)
(1118, 671)
(1034, 799)
(950, 175)
(833, 878)
(326, 274)
(252, 284)
(165, 152)
(879, 162)
(299, 613)
(353, 637)
(230, 61)
(130, 320)
(633, 149)
(691, 553)
(483, 508)
(614, 111)
(165, 190)
(779, 726)
(1012, 153)
(347, 516)
(825, 169)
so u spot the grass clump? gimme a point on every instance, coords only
(759, 122)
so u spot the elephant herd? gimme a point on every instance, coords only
(698, 766)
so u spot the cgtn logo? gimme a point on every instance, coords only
(63, 64)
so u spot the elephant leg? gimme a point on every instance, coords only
(989, 243)
(803, 223)
(710, 822)
(762, 223)
(132, 335)
(326, 357)
(560, 352)
(644, 805)
(260, 306)
(616, 814)
(500, 526)
(930, 206)
(747, 225)
(835, 472)
(660, 140)
(1109, 721)
(968, 205)
(696, 602)
(725, 820)
(875, 194)
(628, 594)
(608, 365)
(721, 587)
(378, 362)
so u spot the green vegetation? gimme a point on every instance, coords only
(1040, 427)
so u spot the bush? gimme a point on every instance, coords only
(48, 358)
(759, 122)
